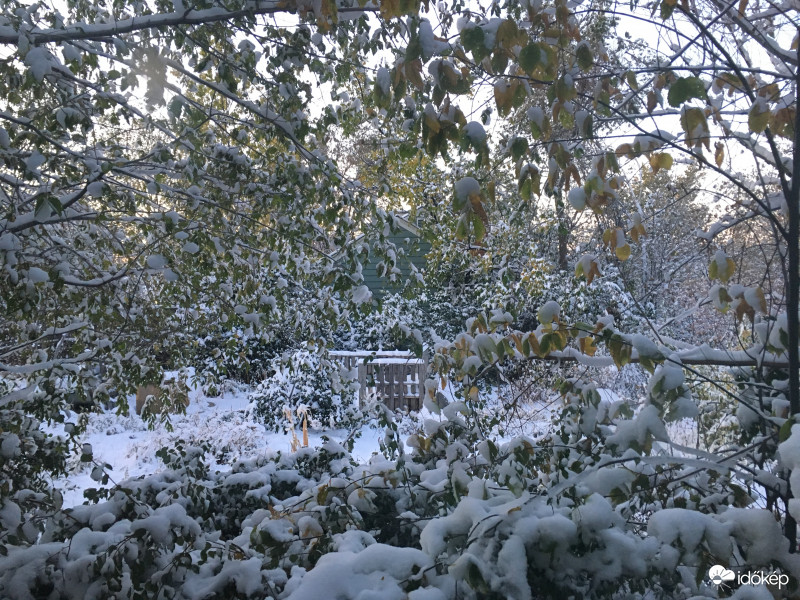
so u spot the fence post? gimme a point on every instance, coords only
(421, 385)
(362, 384)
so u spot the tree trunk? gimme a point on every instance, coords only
(793, 298)
(563, 233)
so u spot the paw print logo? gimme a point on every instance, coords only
(719, 575)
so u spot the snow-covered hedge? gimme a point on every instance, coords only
(462, 517)
(304, 379)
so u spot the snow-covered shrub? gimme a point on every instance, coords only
(229, 436)
(397, 324)
(403, 323)
(237, 356)
(593, 509)
(578, 301)
(304, 378)
(525, 399)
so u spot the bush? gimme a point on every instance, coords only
(236, 356)
(303, 378)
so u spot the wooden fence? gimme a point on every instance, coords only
(396, 377)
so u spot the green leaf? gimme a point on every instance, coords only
(413, 50)
(175, 107)
(565, 90)
(667, 8)
(526, 189)
(630, 77)
(584, 57)
(478, 227)
(474, 578)
(461, 228)
(519, 148)
(55, 204)
(499, 63)
(473, 39)
(783, 336)
(544, 345)
(785, 431)
(588, 127)
(684, 89)
(529, 58)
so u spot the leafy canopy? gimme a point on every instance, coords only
(164, 174)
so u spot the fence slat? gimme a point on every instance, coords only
(390, 389)
(400, 384)
(421, 374)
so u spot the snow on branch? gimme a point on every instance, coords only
(102, 31)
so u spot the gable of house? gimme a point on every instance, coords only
(407, 237)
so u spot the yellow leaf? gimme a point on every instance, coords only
(533, 342)
(637, 231)
(761, 301)
(695, 124)
(586, 344)
(594, 271)
(432, 122)
(328, 15)
(783, 121)
(771, 91)
(623, 252)
(652, 101)
(742, 309)
(503, 97)
(491, 187)
(625, 150)
(477, 208)
(413, 71)
(721, 267)
(619, 350)
(757, 119)
(661, 160)
(448, 76)
(507, 34)
(719, 153)
(397, 8)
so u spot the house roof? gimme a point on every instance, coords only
(401, 221)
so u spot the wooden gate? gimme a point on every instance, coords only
(396, 377)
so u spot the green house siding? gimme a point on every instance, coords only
(415, 251)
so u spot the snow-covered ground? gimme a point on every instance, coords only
(227, 425)
(127, 444)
